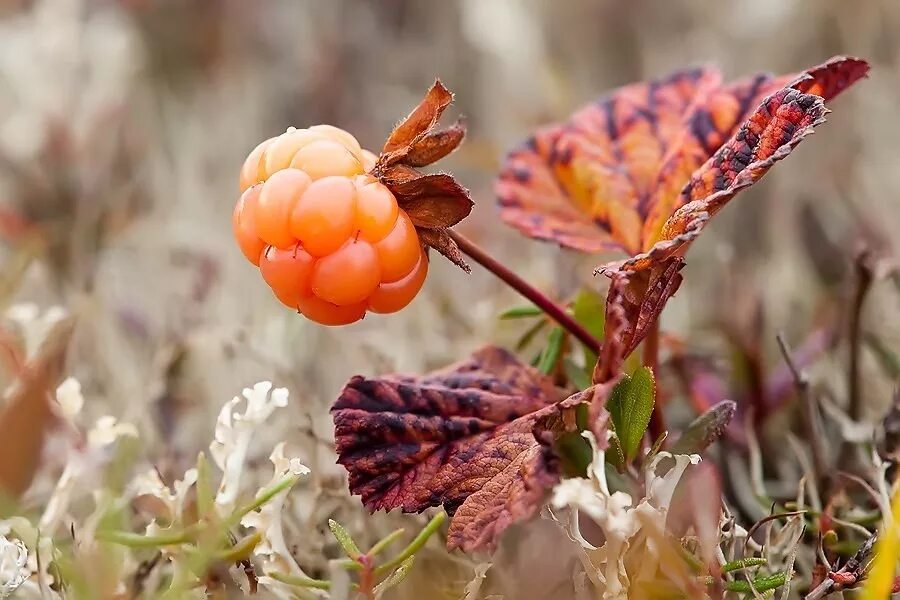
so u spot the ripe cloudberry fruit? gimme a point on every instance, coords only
(329, 240)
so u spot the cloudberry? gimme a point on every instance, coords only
(329, 240)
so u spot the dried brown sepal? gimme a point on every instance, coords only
(440, 240)
(397, 175)
(415, 126)
(475, 437)
(433, 201)
(436, 145)
(28, 413)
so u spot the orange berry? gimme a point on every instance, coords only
(323, 217)
(276, 202)
(345, 138)
(399, 252)
(322, 158)
(288, 273)
(325, 313)
(253, 171)
(280, 154)
(376, 209)
(243, 222)
(368, 160)
(348, 275)
(391, 297)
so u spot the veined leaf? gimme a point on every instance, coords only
(630, 406)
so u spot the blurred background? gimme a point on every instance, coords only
(123, 125)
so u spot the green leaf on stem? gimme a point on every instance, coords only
(395, 578)
(615, 455)
(744, 563)
(344, 539)
(552, 351)
(521, 312)
(630, 405)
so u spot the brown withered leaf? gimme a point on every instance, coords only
(433, 201)
(462, 437)
(436, 145)
(440, 240)
(415, 126)
(642, 295)
(28, 412)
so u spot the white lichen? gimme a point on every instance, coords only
(630, 551)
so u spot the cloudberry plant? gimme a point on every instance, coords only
(328, 237)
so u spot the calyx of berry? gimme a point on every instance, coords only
(434, 202)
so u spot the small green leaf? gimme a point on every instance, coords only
(530, 334)
(615, 455)
(744, 563)
(574, 452)
(760, 584)
(705, 429)
(344, 539)
(550, 355)
(589, 309)
(521, 312)
(205, 487)
(630, 406)
(395, 578)
(577, 375)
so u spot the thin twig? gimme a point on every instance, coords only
(855, 565)
(553, 310)
(811, 425)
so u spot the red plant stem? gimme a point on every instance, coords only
(550, 308)
(651, 359)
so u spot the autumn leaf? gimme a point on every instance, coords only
(475, 438)
(612, 176)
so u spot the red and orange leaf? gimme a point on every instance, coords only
(416, 442)
(587, 183)
(607, 180)
(769, 135)
(512, 495)
(713, 120)
(634, 302)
